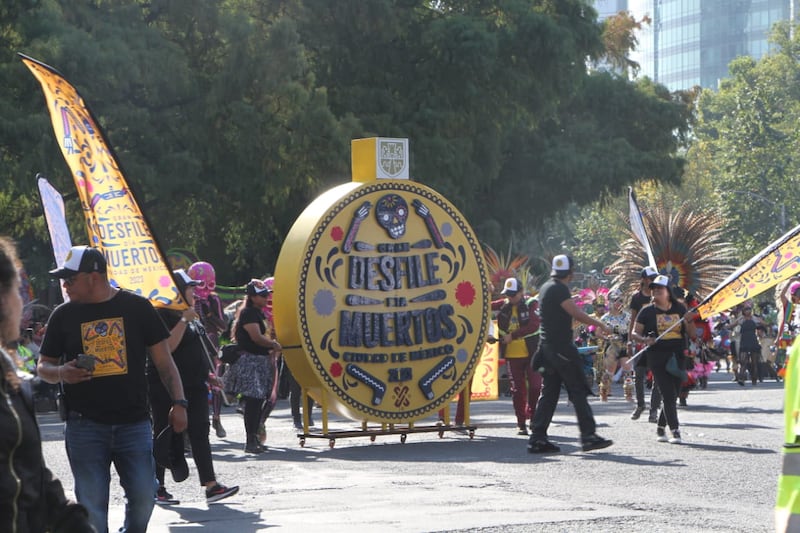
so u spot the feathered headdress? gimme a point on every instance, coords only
(503, 267)
(593, 297)
(688, 247)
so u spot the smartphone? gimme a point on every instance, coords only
(85, 361)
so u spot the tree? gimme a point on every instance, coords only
(497, 100)
(230, 117)
(214, 117)
(747, 137)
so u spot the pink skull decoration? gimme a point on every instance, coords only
(204, 273)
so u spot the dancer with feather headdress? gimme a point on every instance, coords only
(687, 246)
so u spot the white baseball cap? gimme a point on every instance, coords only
(511, 287)
(562, 264)
(81, 259)
(660, 281)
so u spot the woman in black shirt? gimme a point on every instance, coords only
(660, 327)
(253, 376)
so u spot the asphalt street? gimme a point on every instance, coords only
(723, 478)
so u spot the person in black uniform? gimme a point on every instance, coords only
(191, 357)
(560, 362)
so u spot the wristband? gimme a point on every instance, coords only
(182, 403)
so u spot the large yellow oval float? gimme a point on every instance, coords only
(381, 294)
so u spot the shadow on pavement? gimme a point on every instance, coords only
(728, 449)
(734, 409)
(216, 515)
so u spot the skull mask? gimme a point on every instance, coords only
(392, 212)
(204, 273)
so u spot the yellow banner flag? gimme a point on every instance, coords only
(114, 221)
(775, 263)
(485, 380)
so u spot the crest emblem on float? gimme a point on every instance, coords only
(393, 156)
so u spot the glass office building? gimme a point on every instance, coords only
(691, 42)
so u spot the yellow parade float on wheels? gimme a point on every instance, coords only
(381, 299)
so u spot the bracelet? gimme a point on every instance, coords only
(183, 319)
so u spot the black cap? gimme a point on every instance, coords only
(256, 287)
(182, 280)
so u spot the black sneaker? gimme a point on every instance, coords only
(220, 431)
(543, 446)
(661, 433)
(637, 413)
(254, 448)
(522, 430)
(165, 498)
(653, 418)
(298, 423)
(219, 492)
(595, 442)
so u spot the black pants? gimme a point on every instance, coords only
(748, 362)
(563, 366)
(197, 414)
(669, 386)
(639, 377)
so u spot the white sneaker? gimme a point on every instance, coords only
(662, 434)
(675, 438)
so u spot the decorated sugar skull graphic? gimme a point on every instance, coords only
(204, 273)
(392, 212)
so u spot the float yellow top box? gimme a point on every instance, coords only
(379, 158)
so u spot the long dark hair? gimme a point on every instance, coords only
(9, 273)
(9, 270)
(248, 302)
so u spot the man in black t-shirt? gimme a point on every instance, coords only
(639, 300)
(103, 335)
(561, 363)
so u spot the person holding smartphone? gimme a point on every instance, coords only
(108, 416)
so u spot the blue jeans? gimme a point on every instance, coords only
(92, 448)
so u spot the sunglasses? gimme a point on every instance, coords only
(68, 282)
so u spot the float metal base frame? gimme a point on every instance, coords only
(375, 430)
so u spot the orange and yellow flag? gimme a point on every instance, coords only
(114, 221)
(775, 263)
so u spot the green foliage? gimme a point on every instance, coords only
(747, 140)
(229, 117)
